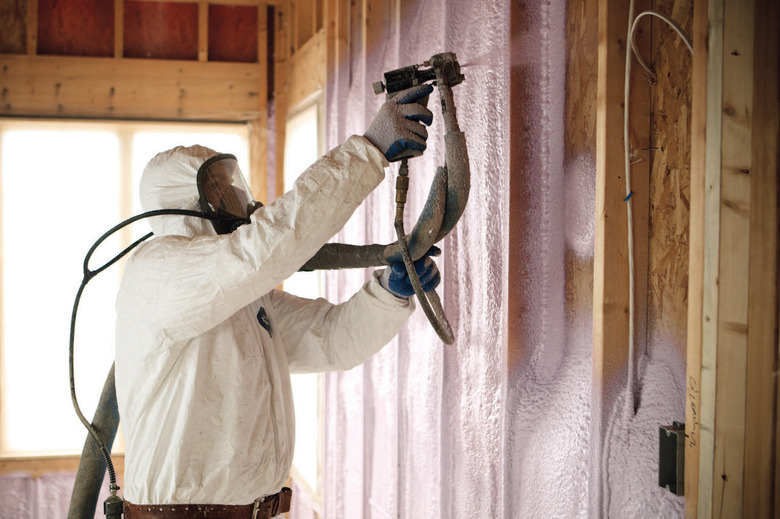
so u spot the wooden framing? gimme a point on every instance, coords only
(135, 88)
(203, 30)
(307, 70)
(258, 150)
(732, 406)
(119, 28)
(281, 67)
(128, 88)
(732, 409)
(760, 497)
(257, 3)
(32, 26)
(611, 294)
(140, 89)
(695, 264)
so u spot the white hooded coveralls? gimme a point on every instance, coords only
(205, 343)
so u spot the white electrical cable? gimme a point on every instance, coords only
(668, 20)
(630, 405)
(631, 397)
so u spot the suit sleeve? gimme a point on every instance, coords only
(204, 280)
(320, 336)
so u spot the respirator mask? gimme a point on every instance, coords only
(224, 193)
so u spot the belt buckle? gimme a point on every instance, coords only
(256, 508)
(261, 500)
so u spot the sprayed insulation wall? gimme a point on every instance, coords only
(417, 430)
(498, 425)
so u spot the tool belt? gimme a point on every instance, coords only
(262, 508)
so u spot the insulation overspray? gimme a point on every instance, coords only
(423, 430)
(432, 431)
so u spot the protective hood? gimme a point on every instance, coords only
(169, 182)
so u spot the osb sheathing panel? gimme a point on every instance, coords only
(161, 30)
(76, 28)
(233, 33)
(13, 27)
(670, 144)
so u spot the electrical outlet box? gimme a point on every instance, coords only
(671, 457)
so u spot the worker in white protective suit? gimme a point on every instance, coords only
(205, 341)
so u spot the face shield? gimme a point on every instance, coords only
(224, 193)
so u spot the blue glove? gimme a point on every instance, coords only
(396, 280)
(398, 125)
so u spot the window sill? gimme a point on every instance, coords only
(37, 466)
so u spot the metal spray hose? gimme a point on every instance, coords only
(430, 302)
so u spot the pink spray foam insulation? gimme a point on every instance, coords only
(427, 430)
(580, 193)
(47, 496)
(632, 447)
(419, 425)
(548, 393)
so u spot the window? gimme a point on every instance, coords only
(302, 148)
(63, 184)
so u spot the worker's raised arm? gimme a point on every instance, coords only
(320, 336)
(201, 281)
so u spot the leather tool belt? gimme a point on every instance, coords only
(262, 508)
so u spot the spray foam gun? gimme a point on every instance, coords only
(446, 199)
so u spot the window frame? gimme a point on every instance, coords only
(44, 462)
(315, 490)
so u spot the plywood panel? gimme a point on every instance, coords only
(233, 33)
(119, 28)
(76, 28)
(32, 26)
(203, 31)
(161, 30)
(13, 27)
(669, 176)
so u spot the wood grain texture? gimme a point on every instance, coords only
(128, 88)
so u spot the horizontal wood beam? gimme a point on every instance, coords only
(41, 86)
(222, 2)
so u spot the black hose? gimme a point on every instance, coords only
(106, 419)
(92, 465)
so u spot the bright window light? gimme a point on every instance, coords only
(301, 150)
(63, 185)
(60, 190)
